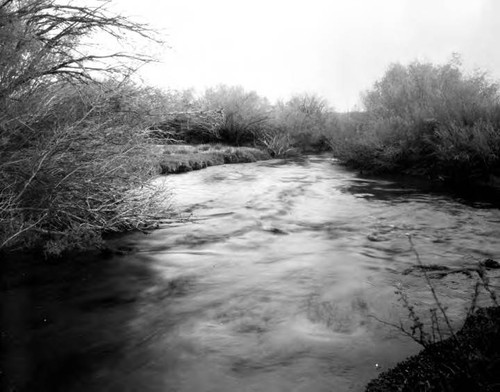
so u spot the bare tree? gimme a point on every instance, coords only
(42, 40)
(62, 184)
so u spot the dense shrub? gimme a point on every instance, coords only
(422, 91)
(305, 120)
(427, 119)
(300, 124)
(71, 154)
(246, 114)
(69, 168)
(233, 116)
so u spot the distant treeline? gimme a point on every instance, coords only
(243, 118)
(421, 119)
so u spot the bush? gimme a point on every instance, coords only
(305, 120)
(423, 91)
(246, 114)
(278, 143)
(426, 119)
(237, 117)
(71, 156)
(472, 150)
(74, 179)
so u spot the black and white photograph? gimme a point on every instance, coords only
(249, 196)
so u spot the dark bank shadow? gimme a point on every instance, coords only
(384, 190)
(402, 189)
(65, 322)
(299, 160)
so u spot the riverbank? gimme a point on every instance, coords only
(52, 235)
(182, 158)
(470, 361)
(470, 193)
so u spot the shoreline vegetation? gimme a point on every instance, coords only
(78, 136)
(422, 119)
(468, 361)
(95, 141)
(451, 360)
(181, 158)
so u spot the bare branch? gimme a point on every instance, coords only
(43, 36)
(22, 230)
(433, 290)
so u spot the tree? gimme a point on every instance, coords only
(422, 91)
(434, 120)
(69, 160)
(246, 113)
(305, 118)
(42, 41)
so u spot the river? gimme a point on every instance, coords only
(271, 283)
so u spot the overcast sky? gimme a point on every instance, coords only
(335, 48)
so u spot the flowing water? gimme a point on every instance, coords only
(274, 281)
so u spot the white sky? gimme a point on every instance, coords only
(335, 48)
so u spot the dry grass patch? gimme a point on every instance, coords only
(184, 158)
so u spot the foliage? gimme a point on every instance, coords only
(305, 120)
(422, 91)
(74, 178)
(246, 114)
(71, 152)
(471, 149)
(299, 124)
(195, 126)
(42, 42)
(278, 142)
(428, 119)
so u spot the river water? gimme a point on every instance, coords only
(273, 281)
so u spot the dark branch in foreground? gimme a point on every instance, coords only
(440, 271)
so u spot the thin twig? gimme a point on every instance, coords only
(433, 291)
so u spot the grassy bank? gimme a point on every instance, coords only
(184, 158)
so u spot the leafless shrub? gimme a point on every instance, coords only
(80, 178)
(71, 153)
(278, 143)
(43, 41)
